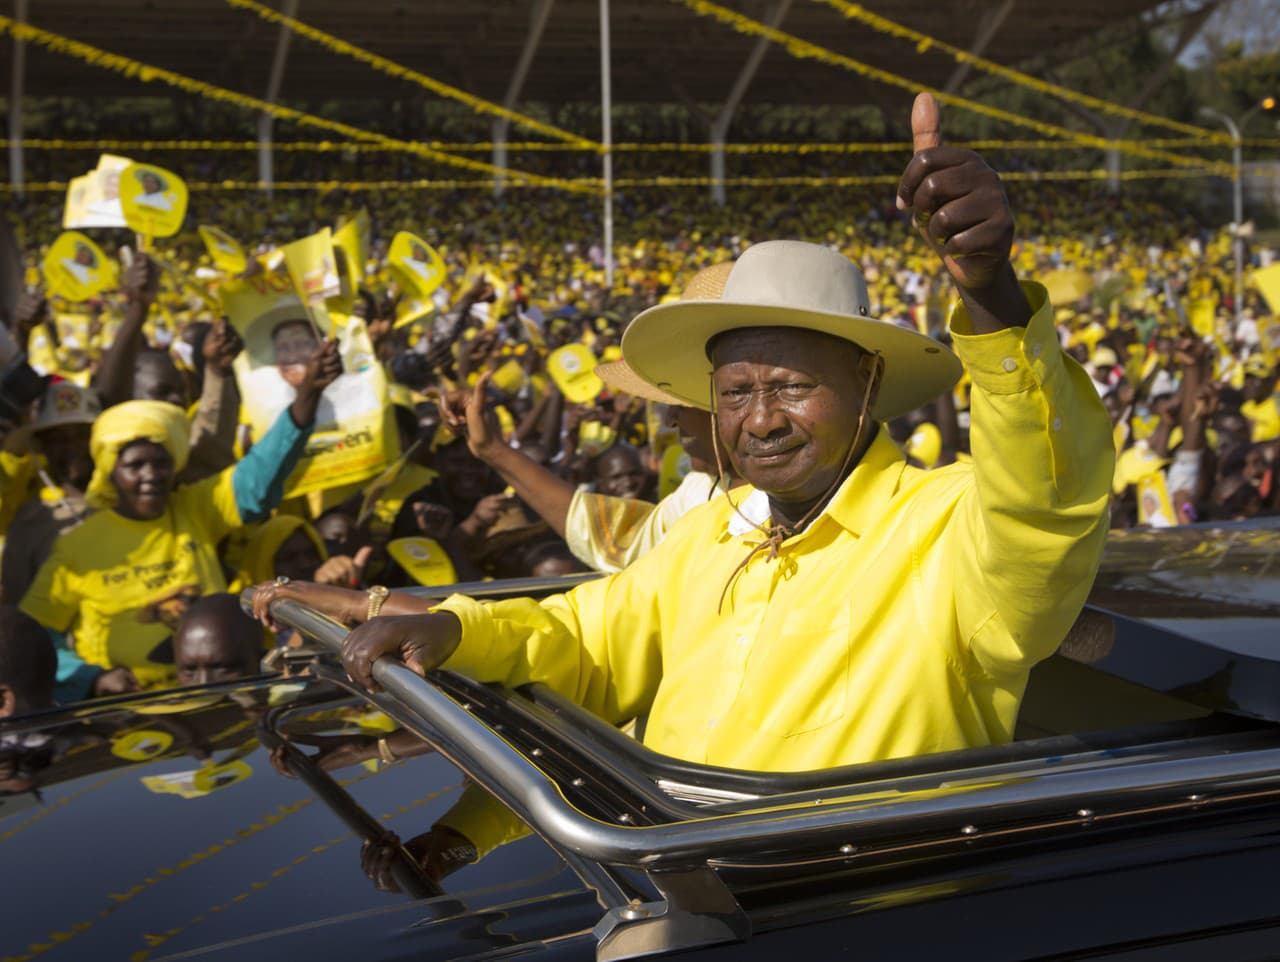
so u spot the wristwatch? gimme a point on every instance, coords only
(377, 597)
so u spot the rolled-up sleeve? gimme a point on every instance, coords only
(1043, 460)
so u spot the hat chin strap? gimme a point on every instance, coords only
(778, 532)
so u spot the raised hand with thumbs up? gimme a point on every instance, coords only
(961, 210)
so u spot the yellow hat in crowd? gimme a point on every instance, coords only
(117, 427)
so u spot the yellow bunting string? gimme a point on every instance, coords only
(147, 73)
(393, 69)
(594, 183)
(803, 50)
(923, 42)
(345, 146)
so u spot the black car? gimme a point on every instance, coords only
(1136, 815)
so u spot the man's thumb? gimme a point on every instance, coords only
(926, 123)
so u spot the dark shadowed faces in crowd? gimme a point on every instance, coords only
(788, 403)
(464, 478)
(157, 378)
(27, 664)
(216, 642)
(297, 558)
(66, 451)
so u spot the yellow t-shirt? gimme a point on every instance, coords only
(121, 586)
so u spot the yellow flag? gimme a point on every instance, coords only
(314, 271)
(415, 264)
(75, 267)
(154, 200)
(228, 256)
(352, 237)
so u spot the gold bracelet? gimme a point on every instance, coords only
(385, 752)
(377, 598)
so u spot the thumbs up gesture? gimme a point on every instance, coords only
(957, 202)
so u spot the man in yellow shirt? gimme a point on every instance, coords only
(846, 608)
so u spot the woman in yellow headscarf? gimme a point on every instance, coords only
(120, 583)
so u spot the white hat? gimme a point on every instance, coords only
(786, 284)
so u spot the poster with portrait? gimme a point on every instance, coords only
(354, 438)
(154, 200)
(313, 267)
(76, 269)
(94, 199)
(415, 265)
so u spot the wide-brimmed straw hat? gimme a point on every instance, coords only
(706, 285)
(786, 284)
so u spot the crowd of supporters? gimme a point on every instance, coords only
(134, 500)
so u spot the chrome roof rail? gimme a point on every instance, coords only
(841, 823)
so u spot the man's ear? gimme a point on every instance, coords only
(8, 701)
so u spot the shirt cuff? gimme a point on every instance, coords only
(472, 652)
(1015, 359)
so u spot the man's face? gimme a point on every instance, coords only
(620, 475)
(294, 344)
(150, 183)
(206, 652)
(787, 408)
(156, 378)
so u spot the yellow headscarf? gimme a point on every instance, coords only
(259, 562)
(117, 427)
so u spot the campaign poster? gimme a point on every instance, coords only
(76, 269)
(353, 439)
(154, 200)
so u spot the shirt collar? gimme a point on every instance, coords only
(858, 503)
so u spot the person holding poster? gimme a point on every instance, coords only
(114, 589)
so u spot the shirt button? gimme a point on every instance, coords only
(713, 723)
(1009, 364)
(1057, 424)
(743, 641)
(1035, 350)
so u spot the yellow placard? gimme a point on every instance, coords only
(423, 560)
(572, 367)
(94, 199)
(1200, 315)
(925, 444)
(510, 377)
(415, 265)
(1154, 505)
(75, 268)
(1267, 281)
(141, 745)
(154, 200)
(227, 253)
(354, 437)
(675, 466)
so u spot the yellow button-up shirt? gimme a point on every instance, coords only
(903, 620)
